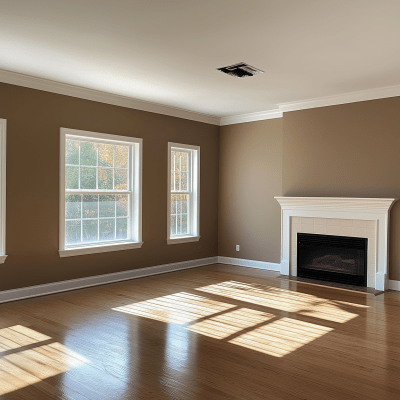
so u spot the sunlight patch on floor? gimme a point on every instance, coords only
(178, 308)
(280, 337)
(18, 336)
(229, 323)
(280, 299)
(27, 367)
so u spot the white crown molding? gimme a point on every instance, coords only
(48, 85)
(64, 286)
(344, 203)
(345, 98)
(257, 116)
(249, 263)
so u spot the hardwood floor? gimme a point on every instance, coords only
(216, 332)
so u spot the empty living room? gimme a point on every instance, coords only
(199, 200)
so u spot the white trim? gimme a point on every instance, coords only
(257, 116)
(339, 208)
(345, 203)
(185, 239)
(249, 263)
(394, 285)
(344, 98)
(78, 251)
(136, 174)
(63, 286)
(80, 92)
(3, 186)
(194, 214)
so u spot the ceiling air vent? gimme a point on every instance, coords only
(240, 70)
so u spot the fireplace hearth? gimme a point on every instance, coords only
(331, 258)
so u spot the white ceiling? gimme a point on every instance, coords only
(167, 52)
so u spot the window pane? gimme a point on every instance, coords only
(179, 207)
(107, 229)
(122, 206)
(72, 177)
(177, 187)
(184, 161)
(184, 181)
(89, 229)
(105, 178)
(88, 153)
(184, 198)
(178, 224)
(122, 228)
(121, 157)
(121, 179)
(73, 207)
(173, 203)
(106, 155)
(184, 224)
(72, 232)
(173, 224)
(90, 206)
(178, 204)
(173, 160)
(107, 206)
(72, 152)
(172, 181)
(88, 178)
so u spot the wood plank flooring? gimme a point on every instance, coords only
(216, 332)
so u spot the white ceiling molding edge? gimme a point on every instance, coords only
(257, 116)
(345, 98)
(47, 85)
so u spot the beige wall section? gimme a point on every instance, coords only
(350, 150)
(34, 119)
(250, 177)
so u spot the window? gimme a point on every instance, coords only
(100, 192)
(183, 193)
(3, 141)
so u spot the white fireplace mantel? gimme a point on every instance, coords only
(376, 210)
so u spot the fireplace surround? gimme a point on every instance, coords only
(350, 217)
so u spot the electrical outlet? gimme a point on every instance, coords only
(237, 247)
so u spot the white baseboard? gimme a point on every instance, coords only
(249, 263)
(394, 285)
(57, 287)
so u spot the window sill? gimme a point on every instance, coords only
(79, 251)
(184, 239)
(2, 259)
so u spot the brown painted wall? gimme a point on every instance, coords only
(34, 119)
(250, 177)
(347, 150)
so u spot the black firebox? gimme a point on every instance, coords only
(339, 259)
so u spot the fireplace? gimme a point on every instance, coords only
(334, 216)
(332, 258)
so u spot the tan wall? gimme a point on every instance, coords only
(250, 177)
(350, 150)
(34, 119)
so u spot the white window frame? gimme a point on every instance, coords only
(135, 173)
(3, 151)
(194, 203)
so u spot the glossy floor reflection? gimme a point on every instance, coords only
(253, 329)
(215, 332)
(22, 368)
